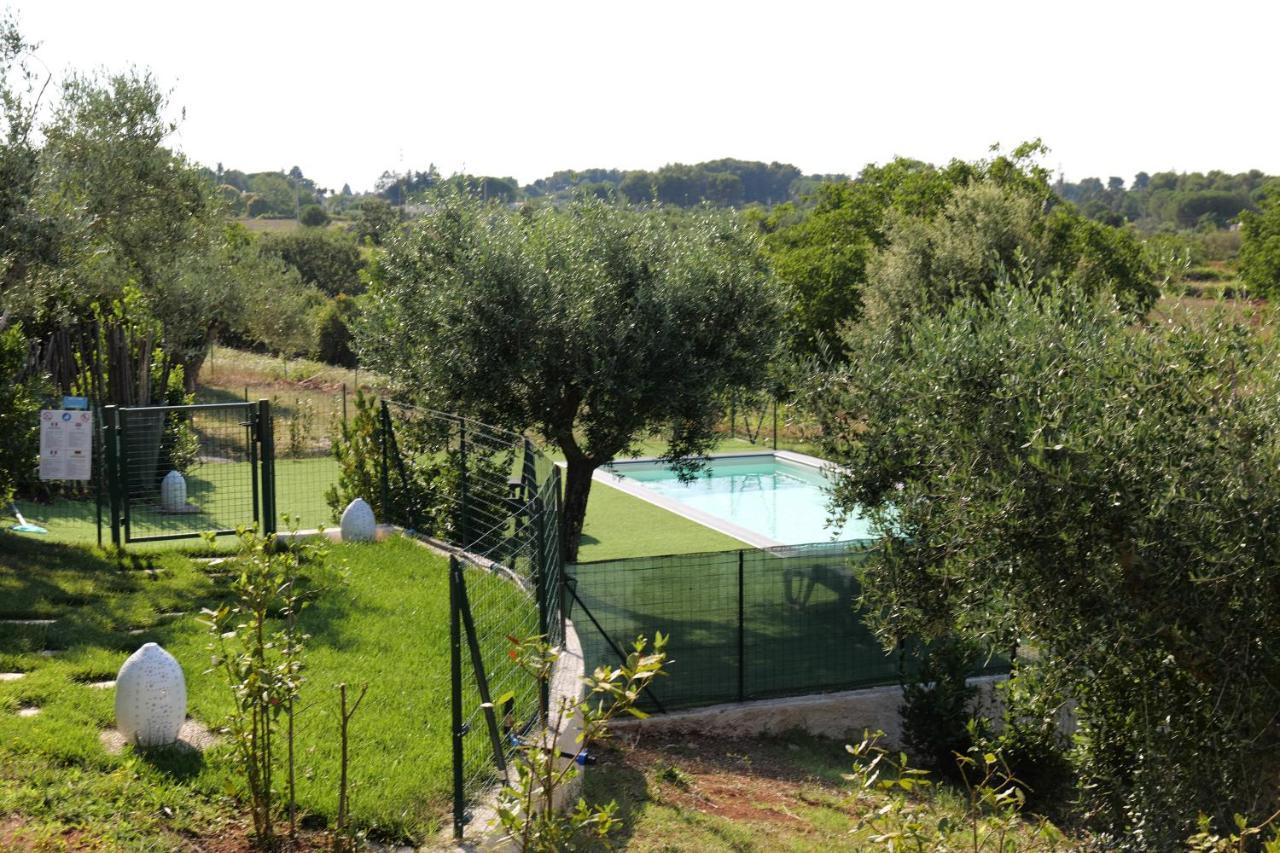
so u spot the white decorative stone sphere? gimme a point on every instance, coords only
(151, 697)
(173, 492)
(358, 523)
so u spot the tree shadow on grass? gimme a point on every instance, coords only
(180, 762)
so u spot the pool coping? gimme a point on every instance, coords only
(606, 475)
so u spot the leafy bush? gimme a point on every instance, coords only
(333, 332)
(19, 415)
(1045, 470)
(328, 260)
(940, 702)
(313, 216)
(1260, 249)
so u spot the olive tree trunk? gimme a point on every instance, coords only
(577, 487)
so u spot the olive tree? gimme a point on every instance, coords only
(590, 324)
(1046, 472)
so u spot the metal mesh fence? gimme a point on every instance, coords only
(748, 624)
(495, 497)
(187, 469)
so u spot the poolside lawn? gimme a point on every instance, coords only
(382, 618)
(619, 525)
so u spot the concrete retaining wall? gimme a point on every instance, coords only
(844, 715)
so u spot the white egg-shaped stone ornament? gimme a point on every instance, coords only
(173, 492)
(151, 697)
(358, 523)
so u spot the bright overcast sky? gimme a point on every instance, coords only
(347, 90)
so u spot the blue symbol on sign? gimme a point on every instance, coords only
(66, 416)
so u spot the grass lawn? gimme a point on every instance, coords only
(619, 525)
(382, 618)
(223, 492)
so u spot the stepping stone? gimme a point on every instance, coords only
(101, 685)
(51, 653)
(173, 614)
(12, 676)
(27, 621)
(193, 735)
(28, 711)
(137, 632)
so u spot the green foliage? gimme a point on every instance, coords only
(526, 804)
(375, 220)
(917, 817)
(908, 233)
(261, 663)
(19, 415)
(358, 449)
(1032, 739)
(1044, 471)
(313, 216)
(592, 324)
(988, 231)
(333, 332)
(325, 259)
(939, 703)
(1260, 249)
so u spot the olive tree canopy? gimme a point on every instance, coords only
(590, 324)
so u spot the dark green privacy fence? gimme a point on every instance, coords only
(749, 624)
(495, 498)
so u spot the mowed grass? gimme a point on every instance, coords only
(619, 525)
(381, 618)
(222, 491)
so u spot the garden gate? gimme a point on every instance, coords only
(175, 472)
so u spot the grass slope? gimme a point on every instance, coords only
(381, 619)
(780, 793)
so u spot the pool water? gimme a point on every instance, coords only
(773, 497)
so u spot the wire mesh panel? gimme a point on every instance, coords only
(305, 470)
(692, 598)
(743, 624)
(496, 498)
(802, 632)
(183, 470)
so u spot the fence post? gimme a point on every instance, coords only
(464, 524)
(384, 442)
(110, 445)
(455, 684)
(267, 438)
(344, 404)
(742, 662)
(775, 423)
(98, 469)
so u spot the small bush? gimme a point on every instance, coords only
(313, 216)
(333, 332)
(939, 704)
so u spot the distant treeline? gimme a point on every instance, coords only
(1171, 200)
(1161, 201)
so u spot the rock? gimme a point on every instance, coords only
(358, 523)
(151, 697)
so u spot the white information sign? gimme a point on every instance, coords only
(66, 445)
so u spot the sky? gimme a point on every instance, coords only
(349, 90)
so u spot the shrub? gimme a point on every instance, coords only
(939, 704)
(313, 216)
(1045, 469)
(19, 415)
(333, 332)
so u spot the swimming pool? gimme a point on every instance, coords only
(765, 499)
